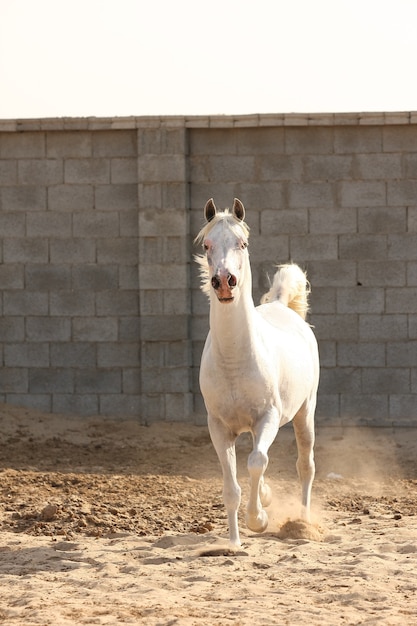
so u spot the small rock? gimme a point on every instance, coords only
(49, 512)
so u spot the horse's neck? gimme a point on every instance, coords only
(233, 329)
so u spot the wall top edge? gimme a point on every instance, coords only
(209, 121)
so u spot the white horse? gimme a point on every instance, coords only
(260, 366)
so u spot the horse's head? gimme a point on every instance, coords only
(225, 241)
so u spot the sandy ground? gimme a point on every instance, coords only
(109, 522)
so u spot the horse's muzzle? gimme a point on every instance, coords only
(223, 286)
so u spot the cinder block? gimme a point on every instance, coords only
(40, 172)
(51, 380)
(25, 302)
(336, 327)
(123, 251)
(95, 223)
(73, 354)
(48, 329)
(311, 140)
(29, 145)
(116, 197)
(179, 407)
(317, 247)
(362, 193)
(126, 405)
(279, 167)
(87, 171)
(129, 328)
(412, 273)
(311, 195)
(162, 276)
(164, 327)
(160, 223)
(94, 380)
(328, 167)
(120, 354)
(14, 380)
(8, 172)
(284, 221)
(12, 276)
(26, 355)
(75, 404)
(71, 198)
(176, 302)
(333, 220)
(378, 166)
(322, 300)
(399, 138)
(12, 224)
(331, 273)
(340, 380)
(401, 192)
(123, 171)
(327, 410)
(72, 250)
(163, 168)
(363, 247)
(48, 224)
(216, 141)
(65, 144)
(95, 329)
(364, 408)
(165, 380)
(327, 353)
(402, 246)
(95, 277)
(131, 382)
(37, 401)
(121, 303)
(401, 300)
(360, 300)
(43, 277)
(12, 329)
(386, 380)
(355, 139)
(72, 303)
(382, 220)
(403, 406)
(22, 250)
(350, 354)
(382, 273)
(28, 198)
(402, 354)
(262, 141)
(383, 327)
(109, 143)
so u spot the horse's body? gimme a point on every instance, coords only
(259, 367)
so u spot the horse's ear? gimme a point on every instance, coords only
(210, 210)
(238, 210)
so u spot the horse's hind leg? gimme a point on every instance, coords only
(264, 434)
(224, 443)
(304, 434)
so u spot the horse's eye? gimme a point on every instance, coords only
(244, 245)
(205, 246)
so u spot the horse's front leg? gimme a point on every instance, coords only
(264, 433)
(224, 443)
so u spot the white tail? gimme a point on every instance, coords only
(291, 287)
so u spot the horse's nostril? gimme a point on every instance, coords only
(231, 281)
(215, 282)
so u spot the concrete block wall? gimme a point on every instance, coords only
(101, 310)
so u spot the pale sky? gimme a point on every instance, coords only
(189, 57)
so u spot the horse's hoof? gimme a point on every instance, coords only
(259, 523)
(266, 495)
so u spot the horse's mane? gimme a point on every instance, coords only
(236, 226)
